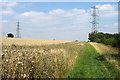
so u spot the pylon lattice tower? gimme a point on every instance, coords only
(18, 30)
(94, 19)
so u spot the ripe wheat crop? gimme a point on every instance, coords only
(38, 60)
(29, 42)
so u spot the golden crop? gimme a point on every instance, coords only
(29, 42)
(39, 59)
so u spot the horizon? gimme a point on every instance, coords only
(67, 21)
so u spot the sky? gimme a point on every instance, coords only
(68, 21)
(60, 0)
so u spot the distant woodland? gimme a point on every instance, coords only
(105, 38)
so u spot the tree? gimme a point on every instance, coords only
(10, 35)
(105, 38)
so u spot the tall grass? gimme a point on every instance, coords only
(109, 52)
(45, 61)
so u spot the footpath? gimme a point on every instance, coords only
(91, 64)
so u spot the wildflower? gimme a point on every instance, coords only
(6, 60)
(5, 50)
(32, 61)
(24, 75)
(19, 62)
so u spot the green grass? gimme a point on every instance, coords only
(87, 66)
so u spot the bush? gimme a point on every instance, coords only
(10, 35)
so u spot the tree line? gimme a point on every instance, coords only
(105, 38)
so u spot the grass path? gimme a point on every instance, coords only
(87, 66)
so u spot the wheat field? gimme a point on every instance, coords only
(29, 58)
(29, 42)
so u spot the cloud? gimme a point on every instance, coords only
(109, 28)
(9, 4)
(31, 13)
(56, 11)
(8, 12)
(114, 25)
(107, 10)
(7, 8)
(55, 17)
(3, 21)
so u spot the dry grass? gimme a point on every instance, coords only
(101, 48)
(43, 60)
(110, 53)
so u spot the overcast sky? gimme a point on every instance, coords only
(57, 20)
